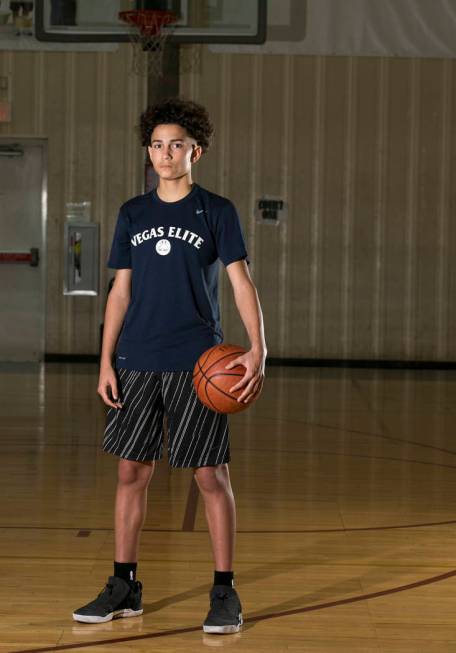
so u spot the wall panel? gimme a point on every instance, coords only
(362, 151)
(86, 104)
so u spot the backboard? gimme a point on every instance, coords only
(199, 21)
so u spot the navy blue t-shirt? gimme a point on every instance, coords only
(173, 250)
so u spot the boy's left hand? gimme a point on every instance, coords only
(253, 361)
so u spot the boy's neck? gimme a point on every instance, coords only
(173, 190)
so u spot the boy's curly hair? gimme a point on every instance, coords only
(193, 117)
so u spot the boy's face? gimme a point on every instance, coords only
(172, 151)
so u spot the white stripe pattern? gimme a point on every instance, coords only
(197, 436)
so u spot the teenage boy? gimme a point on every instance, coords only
(164, 304)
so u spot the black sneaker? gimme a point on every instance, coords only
(117, 599)
(225, 615)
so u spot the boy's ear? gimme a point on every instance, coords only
(196, 154)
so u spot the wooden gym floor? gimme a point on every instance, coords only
(345, 483)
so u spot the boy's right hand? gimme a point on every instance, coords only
(108, 381)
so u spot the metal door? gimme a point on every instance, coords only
(23, 195)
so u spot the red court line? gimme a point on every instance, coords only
(254, 618)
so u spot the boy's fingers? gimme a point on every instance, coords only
(233, 363)
(113, 386)
(103, 392)
(240, 384)
(247, 391)
(106, 400)
(251, 390)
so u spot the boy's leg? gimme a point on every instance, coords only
(225, 614)
(135, 434)
(131, 506)
(215, 487)
(121, 596)
(199, 438)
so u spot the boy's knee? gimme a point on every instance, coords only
(132, 472)
(212, 479)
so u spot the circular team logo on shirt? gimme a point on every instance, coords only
(163, 247)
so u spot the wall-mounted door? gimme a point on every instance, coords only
(22, 245)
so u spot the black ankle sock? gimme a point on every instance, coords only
(224, 578)
(125, 570)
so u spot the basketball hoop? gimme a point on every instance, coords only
(147, 35)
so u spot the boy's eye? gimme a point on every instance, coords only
(177, 146)
(156, 146)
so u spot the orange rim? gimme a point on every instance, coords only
(148, 21)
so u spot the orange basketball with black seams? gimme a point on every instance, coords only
(212, 381)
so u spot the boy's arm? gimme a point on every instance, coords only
(116, 307)
(247, 302)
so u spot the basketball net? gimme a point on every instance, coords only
(147, 35)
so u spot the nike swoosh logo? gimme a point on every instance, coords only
(200, 210)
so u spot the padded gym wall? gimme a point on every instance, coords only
(362, 151)
(86, 104)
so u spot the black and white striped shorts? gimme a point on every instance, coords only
(197, 436)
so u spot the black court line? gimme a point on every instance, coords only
(448, 522)
(252, 619)
(369, 434)
(317, 452)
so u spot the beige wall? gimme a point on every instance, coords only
(361, 149)
(363, 152)
(86, 105)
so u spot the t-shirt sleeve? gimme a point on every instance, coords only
(229, 237)
(120, 255)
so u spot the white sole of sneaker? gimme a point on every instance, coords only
(224, 630)
(117, 614)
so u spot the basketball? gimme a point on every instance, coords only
(212, 381)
